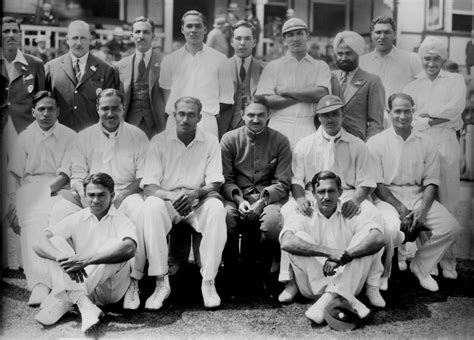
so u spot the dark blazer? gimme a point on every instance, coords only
(19, 91)
(225, 121)
(364, 107)
(124, 70)
(77, 101)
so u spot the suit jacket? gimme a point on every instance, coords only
(364, 107)
(255, 68)
(125, 69)
(18, 92)
(77, 101)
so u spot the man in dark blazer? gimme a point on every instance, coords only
(22, 76)
(144, 101)
(244, 39)
(363, 92)
(77, 77)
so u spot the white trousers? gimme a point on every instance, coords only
(208, 123)
(432, 244)
(348, 280)
(105, 283)
(208, 219)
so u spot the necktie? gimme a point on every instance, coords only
(330, 154)
(242, 72)
(77, 70)
(344, 81)
(141, 66)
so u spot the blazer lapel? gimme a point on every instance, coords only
(67, 67)
(354, 86)
(91, 68)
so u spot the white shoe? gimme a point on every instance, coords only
(360, 308)
(426, 281)
(132, 299)
(209, 294)
(90, 313)
(384, 283)
(161, 293)
(375, 299)
(289, 293)
(402, 265)
(54, 311)
(316, 311)
(38, 294)
(450, 274)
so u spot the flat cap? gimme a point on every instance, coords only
(293, 24)
(329, 103)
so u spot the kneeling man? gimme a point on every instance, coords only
(328, 252)
(88, 255)
(183, 175)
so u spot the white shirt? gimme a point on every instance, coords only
(335, 232)
(42, 154)
(288, 72)
(445, 97)
(125, 163)
(352, 160)
(203, 76)
(174, 166)
(413, 162)
(82, 62)
(10, 67)
(396, 69)
(89, 234)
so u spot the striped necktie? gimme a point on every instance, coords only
(77, 70)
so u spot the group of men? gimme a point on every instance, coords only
(105, 160)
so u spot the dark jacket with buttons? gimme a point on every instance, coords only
(256, 163)
(77, 101)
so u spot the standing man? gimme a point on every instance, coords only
(251, 18)
(257, 170)
(331, 254)
(245, 71)
(77, 77)
(139, 74)
(87, 256)
(24, 76)
(394, 66)
(332, 148)
(408, 163)
(363, 92)
(199, 71)
(216, 37)
(293, 84)
(183, 174)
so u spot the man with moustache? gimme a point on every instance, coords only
(293, 84)
(117, 148)
(363, 92)
(408, 165)
(256, 162)
(77, 77)
(23, 76)
(87, 256)
(199, 71)
(139, 74)
(245, 70)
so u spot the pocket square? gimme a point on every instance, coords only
(28, 77)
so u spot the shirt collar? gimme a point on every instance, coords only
(199, 137)
(337, 211)
(147, 56)
(112, 212)
(423, 75)
(53, 131)
(414, 134)
(253, 135)
(289, 57)
(109, 134)
(247, 61)
(392, 54)
(82, 60)
(344, 135)
(19, 58)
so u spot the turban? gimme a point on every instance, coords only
(352, 39)
(435, 46)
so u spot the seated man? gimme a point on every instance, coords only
(116, 148)
(87, 256)
(408, 165)
(332, 148)
(257, 170)
(330, 253)
(183, 173)
(40, 162)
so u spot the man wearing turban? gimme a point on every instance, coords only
(364, 94)
(440, 99)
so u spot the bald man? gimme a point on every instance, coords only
(364, 94)
(77, 77)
